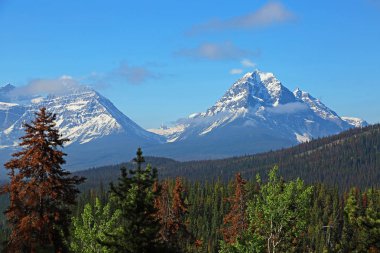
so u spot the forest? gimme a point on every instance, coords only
(349, 159)
(244, 204)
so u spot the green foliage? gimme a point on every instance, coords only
(361, 231)
(206, 211)
(134, 196)
(277, 217)
(321, 219)
(320, 223)
(369, 222)
(326, 219)
(93, 225)
(248, 242)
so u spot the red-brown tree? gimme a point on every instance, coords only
(162, 204)
(235, 222)
(40, 191)
(179, 210)
(172, 211)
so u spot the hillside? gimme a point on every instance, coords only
(351, 158)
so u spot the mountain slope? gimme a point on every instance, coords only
(256, 114)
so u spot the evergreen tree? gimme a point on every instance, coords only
(134, 196)
(351, 215)
(369, 223)
(41, 192)
(172, 212)
(235, 222)
(365, 222)
(179, 233)
(325, 221)
(163, 206)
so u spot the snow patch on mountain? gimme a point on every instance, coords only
(37, 100)
(302, 138)
(356, 122)
(316, 105)
(6, 106)
(170, 133)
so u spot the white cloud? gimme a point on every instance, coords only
(236, 71)
(131, 74)
(270, 14)
(58, 86)
(215, 51)
(248, 63)
(65, 84)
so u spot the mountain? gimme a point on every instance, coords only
(351, 158)
(258, 113)
(99, 133)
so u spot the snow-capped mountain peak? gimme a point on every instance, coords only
(278, 94)
(254, 90)
(83, 116)
(99, 133)
(260, 102)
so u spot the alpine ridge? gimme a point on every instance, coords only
(258, 113)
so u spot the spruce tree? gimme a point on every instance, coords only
(134, 195)
(40, 191)
(162, 204)
(351, 214)
(180, 211)
(235, 222)
(172, 212)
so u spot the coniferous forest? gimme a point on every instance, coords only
(248, 204)
(349, 159)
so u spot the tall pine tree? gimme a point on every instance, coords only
(134, 195)
(40, 191)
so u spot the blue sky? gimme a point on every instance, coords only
(158, 61)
